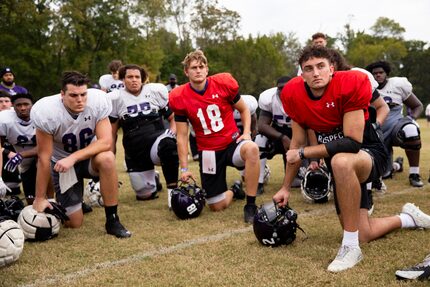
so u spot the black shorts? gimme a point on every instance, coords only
(137, 148)
(373, 145)
(73, 195)
(215, 184)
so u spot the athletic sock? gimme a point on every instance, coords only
(414, 169)
(350, 239)
(250, 199)
(407, 220)
(110, 211)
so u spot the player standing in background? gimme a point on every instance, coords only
(110, 82)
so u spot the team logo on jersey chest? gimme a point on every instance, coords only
(87, 118)
(329, 105)
(215, 96)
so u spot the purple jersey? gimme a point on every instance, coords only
(15, 90)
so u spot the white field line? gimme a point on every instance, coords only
(87, 270)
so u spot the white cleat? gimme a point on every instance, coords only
(421, 219)
(346, 258)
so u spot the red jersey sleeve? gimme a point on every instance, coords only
(358, 92)
(175, 101)
(229, 83)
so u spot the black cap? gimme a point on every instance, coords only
(6, 70)
(172, 77)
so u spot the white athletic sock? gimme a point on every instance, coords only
(414, 169)
(350, 239)
(407, 220)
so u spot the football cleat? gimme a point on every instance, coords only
(379, 186)
(86, 208)
(238, 192)
(421, 271)
(346, 258)
(415, 180)
(421, 219)
(114, 227)
(398, 164)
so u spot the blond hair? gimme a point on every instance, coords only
(196, 55)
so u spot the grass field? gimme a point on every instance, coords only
(219, 249)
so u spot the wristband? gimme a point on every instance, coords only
(184, 169)
(302, 153)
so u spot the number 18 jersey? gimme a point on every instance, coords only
(209, 112)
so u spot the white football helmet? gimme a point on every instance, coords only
(11, 242)
(38, 226)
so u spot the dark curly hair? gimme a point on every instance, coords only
(379, 64)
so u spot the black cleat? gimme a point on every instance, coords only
(415, 180)
(157, 181)
(249, 211)
(114, 227)
(399, 160)
(86, 208)
(420, 272)
(260, 189)
(238, 192)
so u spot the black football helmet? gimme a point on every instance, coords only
(316, 185)
(10, 208)
(274, 225)
(188, 200)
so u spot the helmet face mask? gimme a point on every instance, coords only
(187, 201)
(316, 185)
(275, 226)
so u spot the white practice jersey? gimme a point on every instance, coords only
(50, 116)
(374, 84)
(108, 83)
(396, 91)
(19, 133)
(251, 103)
(269, 101)
(153, 98)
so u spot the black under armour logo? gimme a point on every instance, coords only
(87, 119)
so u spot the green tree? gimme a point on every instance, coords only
(387, 28)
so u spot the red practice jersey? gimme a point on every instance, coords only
(347, 91)
(209, 112)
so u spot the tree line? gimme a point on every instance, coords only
(42, 38)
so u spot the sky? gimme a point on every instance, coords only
(306, 17)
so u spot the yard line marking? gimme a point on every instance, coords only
(70, 277)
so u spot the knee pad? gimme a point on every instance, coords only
(164, 148)
(168, 154)
(143, 182)
(266, 147)
(407, 134)
(167, 150)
